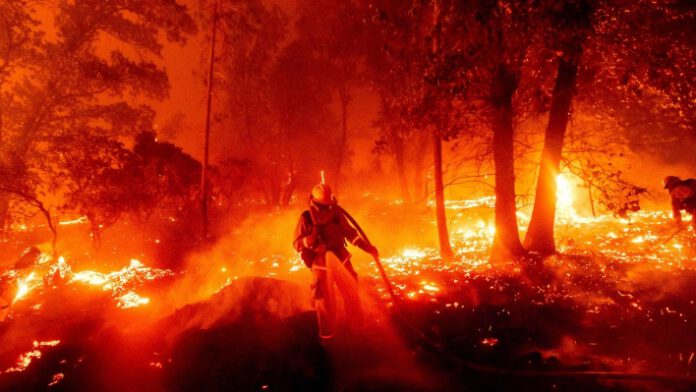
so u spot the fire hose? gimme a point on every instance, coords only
(664, 242)
(668, 239)
(490, 370)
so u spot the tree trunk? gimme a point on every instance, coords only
(540, 236)
(445, 248)
(400, 157)
(206, 144)
(288, 189)
(419, 188)
(344, 97)
(589, 193)
(443, 235)
(506, 243)
(4, 210)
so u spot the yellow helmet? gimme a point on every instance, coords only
(322, 194)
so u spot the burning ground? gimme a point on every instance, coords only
(619, 298)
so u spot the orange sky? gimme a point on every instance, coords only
(187, 67)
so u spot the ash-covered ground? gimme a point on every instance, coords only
(619, 298)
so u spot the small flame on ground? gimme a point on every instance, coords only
(413, 253)
(564, 197)
(24, 286)
(119, 282)
(489, 342)
(132, 300)
(25, 359)
(56, 379)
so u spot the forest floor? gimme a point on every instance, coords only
(619, 297)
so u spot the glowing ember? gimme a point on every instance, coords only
(489, 342)
(25, 359)
(121, 283)
(413, 253)
(79, 220)
(24, 286)
(118, 282)
(90, 277)
(60, 269)
(56, 379)
(431, 287)
(132, 300)
(47, 343)
(564, 197)
(485, 201)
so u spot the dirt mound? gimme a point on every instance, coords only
(254, 334)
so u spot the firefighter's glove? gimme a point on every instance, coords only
(367, 247)
(373, 251)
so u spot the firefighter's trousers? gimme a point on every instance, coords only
(328, 271)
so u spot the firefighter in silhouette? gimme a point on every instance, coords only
(320, 237)
(683, 194)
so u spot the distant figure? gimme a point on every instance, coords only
(320, 237)
(683, 194)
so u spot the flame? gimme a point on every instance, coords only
(430, 287)
(489, 341)
(121, 283)
(564, 197)
(91, 277)
(77, 221)
(416, 272)
(56, 379)
(413, 253)
(485, 201)
(25, 359)
(118, 281)
(132, 300)
(24, 286)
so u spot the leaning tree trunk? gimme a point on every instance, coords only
(506, 243)
(443, 235)
(540, 237)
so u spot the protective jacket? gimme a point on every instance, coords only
(310, 236)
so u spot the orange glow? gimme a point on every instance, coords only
(489, 342)
(132, 300)
(24, 286)
(56, 379)
(25, 359)
(118, 282)
(564, 197)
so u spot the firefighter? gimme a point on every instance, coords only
(320, 237)
(683, 194)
